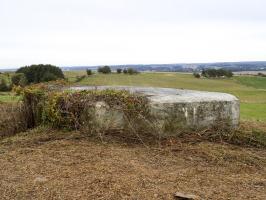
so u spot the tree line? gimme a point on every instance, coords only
(107, 70)
(214, 73)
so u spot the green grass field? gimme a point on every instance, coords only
(8, 97)
(250, 90)
(252, 81)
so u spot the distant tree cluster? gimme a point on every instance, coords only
(37, 74)
(119, 71)
(216, 73)
(129, 71)
(261, 74)
(104, 70)
(89, 72)
(196, 75)
(107, 70)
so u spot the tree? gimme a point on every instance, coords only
(40, 73)
(125, 71)
(196, 75)
(89, 72)
(19, 79)
(48, 76)
(119, 71)
(3, 86)
(104, 70)
(229, 74)
(132, 71)
(217, 73)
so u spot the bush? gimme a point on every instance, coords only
(125, 71)
(40, 73)
(77, 110)
(89, 72)
(196, 75)
(119, 71)
(3, 86)
(104, 70)
(19, 79)
(132, 71)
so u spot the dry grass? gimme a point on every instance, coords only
(48, 164)
(12, 119)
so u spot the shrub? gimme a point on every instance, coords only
(77, 110)
(119, 71)
(104, 70)
(125, 71)
(196, 75)
(40, 73)
(19, 79)
(89, 72)
(132, 71)
(3, 86)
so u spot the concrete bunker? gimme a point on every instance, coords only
(178, 108)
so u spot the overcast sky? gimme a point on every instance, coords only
(95, 32)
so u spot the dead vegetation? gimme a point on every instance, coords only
(49, 164)
(12, 120)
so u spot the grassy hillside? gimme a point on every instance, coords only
(251, 81)
(253, 99)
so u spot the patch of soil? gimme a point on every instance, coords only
(49, 165)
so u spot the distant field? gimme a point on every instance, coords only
(256, 82)
(250, 90)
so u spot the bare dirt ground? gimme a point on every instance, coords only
(47, 164)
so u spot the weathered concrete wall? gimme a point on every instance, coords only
(174, 108)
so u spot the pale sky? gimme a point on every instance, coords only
(95, 32)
